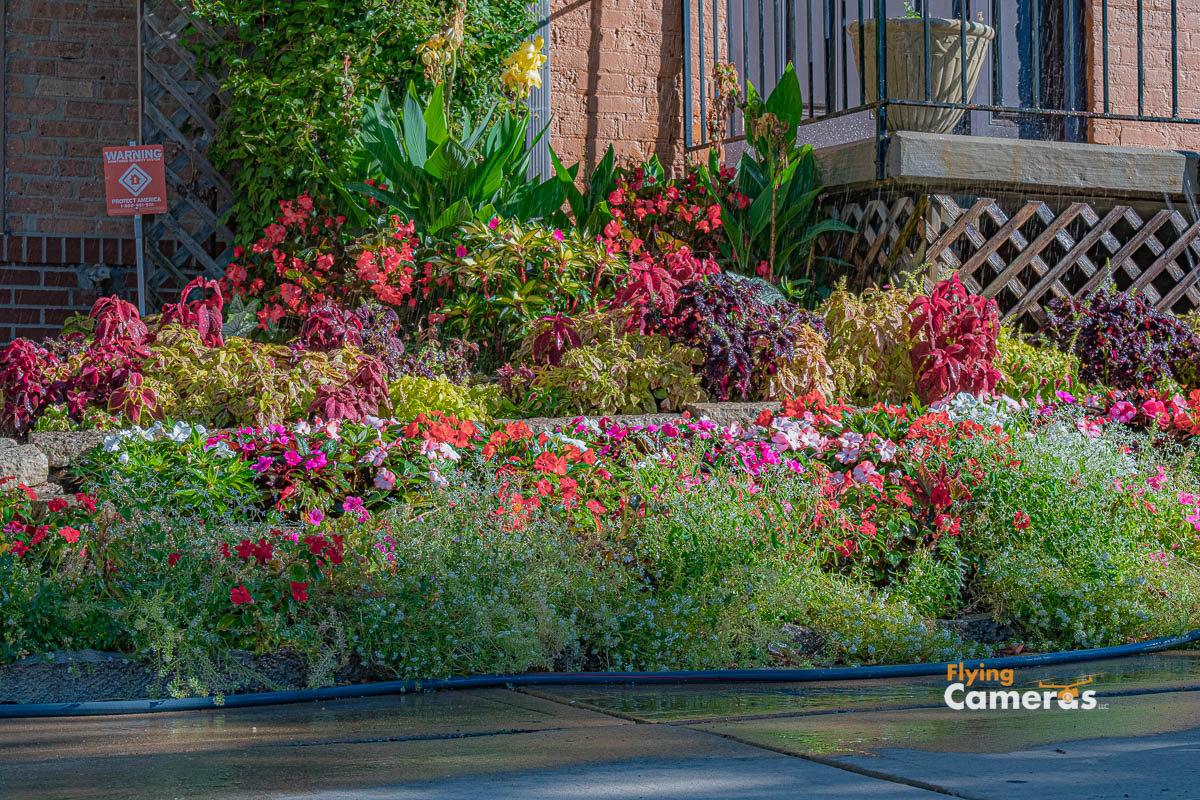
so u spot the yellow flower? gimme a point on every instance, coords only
(523, 68)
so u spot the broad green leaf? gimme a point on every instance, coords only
(414, 130)
(435, 118)
(786, 101)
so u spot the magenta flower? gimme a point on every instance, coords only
(317, 461)
(1122, 411)
(316, 517)
(460, 251)
(558, 235)
(263, 464)
(292, 458)
(494, 223)
(354, 505)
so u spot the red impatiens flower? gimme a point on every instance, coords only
(56, 505)
(239, 595)
(89, 503)
(245, 549)
(550, 463)
(1020, 520)
(19, 548)
(173, 559)
(69, 533)
(299, 591)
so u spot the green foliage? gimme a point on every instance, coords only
(243, 382)
(298, 74)
(412, 395)
(589, 207)
(1029, 371)
(781, 221)
(441, 179)
(169, 470)
(869, 344)
(622, 374)
(511, 276)
(1094, 566)
(57, 417)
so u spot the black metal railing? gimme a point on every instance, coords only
(1038, 79)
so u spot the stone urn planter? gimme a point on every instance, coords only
(906, 68)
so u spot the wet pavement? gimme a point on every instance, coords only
(884, 739)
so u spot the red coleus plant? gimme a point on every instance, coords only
(556, 338)
(954, 345)
(359, 398)
(654, 284)
(328, 327)
(118, 321)
(203, 315)
(26, 382)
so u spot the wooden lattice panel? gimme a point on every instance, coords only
(1023, 253)
(180, 111)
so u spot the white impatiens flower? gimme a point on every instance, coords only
(180, 432)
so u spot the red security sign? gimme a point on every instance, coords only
(134, 180)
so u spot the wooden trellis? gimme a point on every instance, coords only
(1024, 253)
(180, 107)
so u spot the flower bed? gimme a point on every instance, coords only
(443, 547)
(325, 455)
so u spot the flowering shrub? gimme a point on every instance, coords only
(509, 276)
(301, 260)
(656, 216)
(954, 337)
(1122, 341)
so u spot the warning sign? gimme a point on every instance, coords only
(134, 180)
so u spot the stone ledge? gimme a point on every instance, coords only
(944, 162)
(61, 447)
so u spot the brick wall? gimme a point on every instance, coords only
(1122, 72)
(39, 279)
(615, 77)
(70, 89)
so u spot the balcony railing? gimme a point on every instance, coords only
(1049, 70)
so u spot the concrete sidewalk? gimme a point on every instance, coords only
(834, 740)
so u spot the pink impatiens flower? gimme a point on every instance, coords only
(384, 479)
(316, 517)
(1122, 411)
